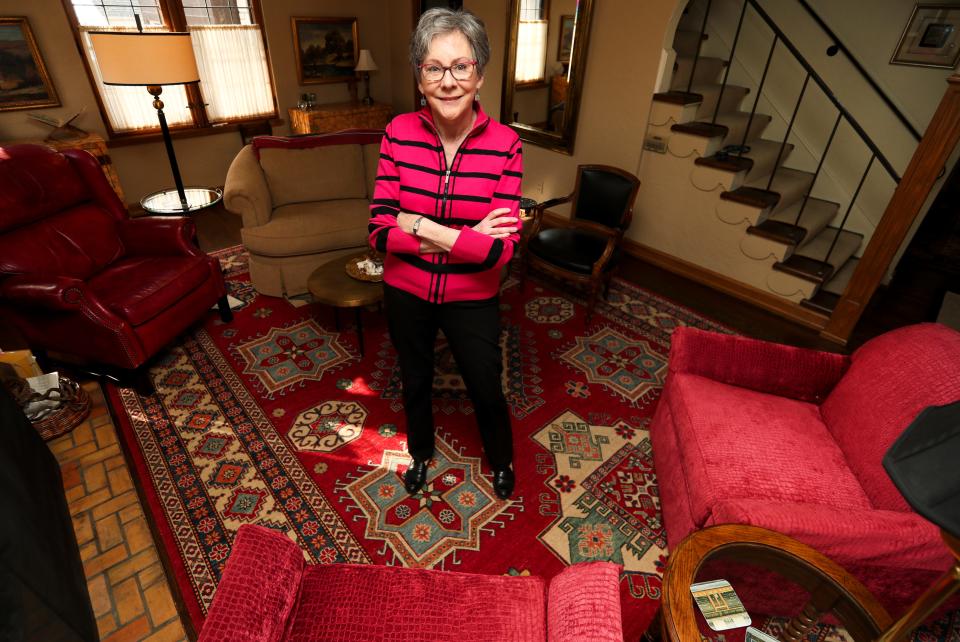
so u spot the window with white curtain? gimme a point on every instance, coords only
(231, 57)
(532, 41)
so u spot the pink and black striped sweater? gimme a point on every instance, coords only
(413, 177)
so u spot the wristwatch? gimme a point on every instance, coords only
(416, 226)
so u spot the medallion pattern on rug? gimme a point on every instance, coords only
(450, 513)
(275, 419)
(292, 355)
(626, 366)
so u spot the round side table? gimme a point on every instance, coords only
(167, 201)
(331, 285)
(831, 588)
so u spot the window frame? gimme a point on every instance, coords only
(174, 19)
(544, 18)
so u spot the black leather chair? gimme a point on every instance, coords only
(585, 249)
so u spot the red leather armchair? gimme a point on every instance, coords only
(79, 277)
(750, 432)
(267, 593)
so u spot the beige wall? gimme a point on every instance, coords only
(617, 89)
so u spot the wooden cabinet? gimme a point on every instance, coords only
(338, 116)
(92, 143)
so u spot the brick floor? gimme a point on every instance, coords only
(128, 588)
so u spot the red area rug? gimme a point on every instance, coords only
(275, 419)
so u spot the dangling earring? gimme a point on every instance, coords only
(476, 97)
(423, 101)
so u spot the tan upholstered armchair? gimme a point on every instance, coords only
(304, 201)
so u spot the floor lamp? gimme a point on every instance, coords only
(154, 59)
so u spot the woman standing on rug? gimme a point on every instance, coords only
(445, 214)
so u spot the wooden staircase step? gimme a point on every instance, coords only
(736, 124)
(753, 196)
(809, 263)
(678, 97)
(733, 95)
(685, 41)
(790, 184)
(816, 215)
(778, 231)
(707, 71)
(758, 161)
(826, 298)
(706, 130)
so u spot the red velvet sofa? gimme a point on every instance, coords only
(79, 277)
(749, 432)
(268, 593)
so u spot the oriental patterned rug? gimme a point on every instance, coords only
(274, 419)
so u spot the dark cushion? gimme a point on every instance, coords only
(603, 198)
(76, 242)
(36, 181)
(570, 249)
(139, 288)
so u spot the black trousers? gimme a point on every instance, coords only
(472, 329)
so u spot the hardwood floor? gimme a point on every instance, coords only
(218, 228)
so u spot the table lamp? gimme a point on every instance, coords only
(922, 463)
(152, 59)
(365, 65)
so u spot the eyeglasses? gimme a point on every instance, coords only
(460, 70)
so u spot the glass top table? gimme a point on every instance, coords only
(167, 201)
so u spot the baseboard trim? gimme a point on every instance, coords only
(754, 296)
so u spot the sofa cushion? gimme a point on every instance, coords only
(583, 603)
(309, 228)
(314, 174)
(743, 444)
(891, 379)
(349, 602)
(371, 163)
(139, 288)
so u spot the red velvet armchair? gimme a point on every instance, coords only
(79, 277)
(749, 432)
(269, 594)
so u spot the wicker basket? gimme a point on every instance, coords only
(73, 407)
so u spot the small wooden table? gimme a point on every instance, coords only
(338, 116)
(830, 587)
(331, 285)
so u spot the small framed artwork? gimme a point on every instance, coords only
(565, 41)
(931, 37)
(24, 81)
(326, 49)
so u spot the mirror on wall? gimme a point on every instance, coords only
(543, 70)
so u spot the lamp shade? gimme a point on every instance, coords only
(153, 58)
(365, 63)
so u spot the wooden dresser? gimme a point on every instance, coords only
(337, 116)
(92, 143)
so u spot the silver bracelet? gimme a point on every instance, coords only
(416, 226)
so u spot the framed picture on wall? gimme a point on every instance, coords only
(565, 41)
(24, 81)
(931, 37)
(326, 49)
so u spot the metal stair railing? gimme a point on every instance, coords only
(842, 113)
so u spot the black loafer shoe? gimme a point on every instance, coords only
(503, 482)
(415, 477)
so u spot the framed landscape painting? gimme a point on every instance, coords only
(326, 49)
(24, 81)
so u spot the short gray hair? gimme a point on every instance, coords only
(440, 21)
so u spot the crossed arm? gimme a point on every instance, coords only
(436, 237)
